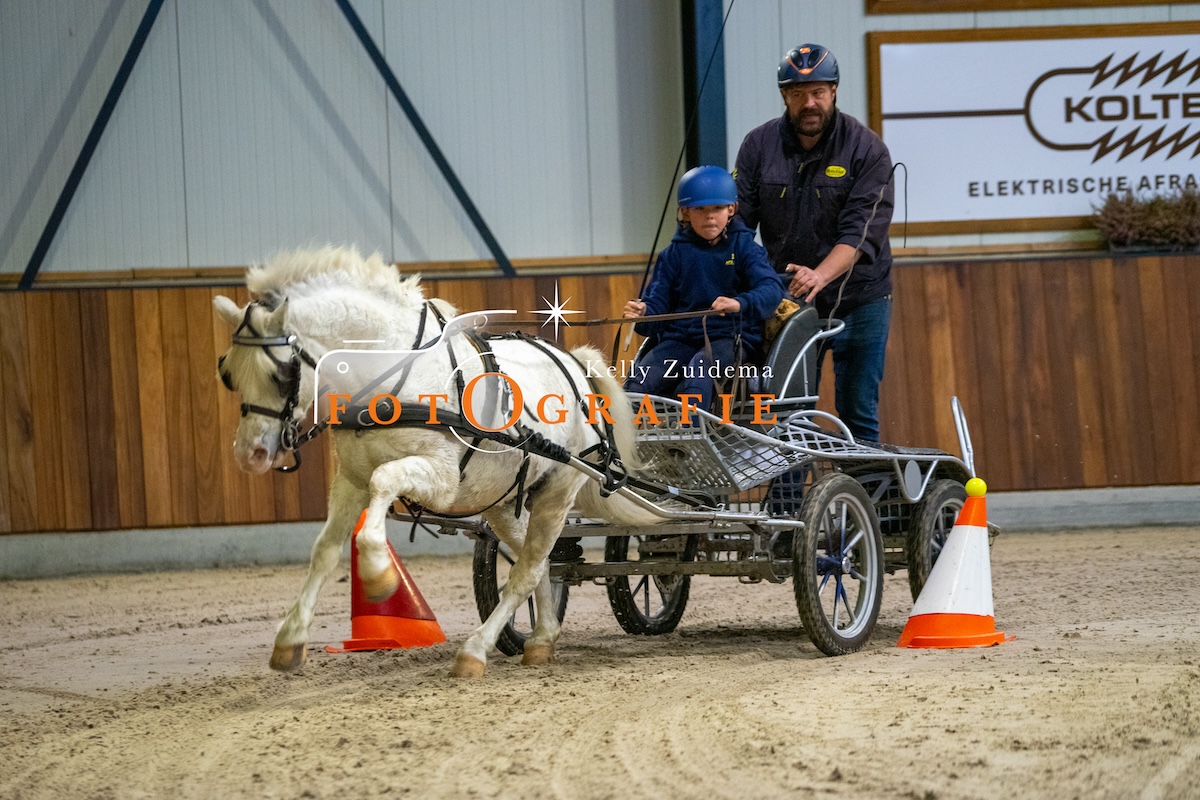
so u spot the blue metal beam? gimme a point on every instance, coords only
(89, 144)
(704, 81)
(426, 137)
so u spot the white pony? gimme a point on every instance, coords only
(309, 302)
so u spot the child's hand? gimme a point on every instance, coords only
(726, 305)
(635, 308)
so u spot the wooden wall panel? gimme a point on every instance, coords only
(988, 420)
(1182, 319)
(98, 412)
(1118, 456)
(1072, 372)
(1159, 402)
(47, 460)
(176, 355)
(69, 392)
(1068, 457)
(1079, 322)
(1132, 383)
(152, 411)
(911, 322)
(127, 415)
(5, 480)
(203, 423)
(18, 415)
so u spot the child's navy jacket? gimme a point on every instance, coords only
(691, 273)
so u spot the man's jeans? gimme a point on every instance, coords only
(858, 354)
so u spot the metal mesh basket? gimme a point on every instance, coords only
(706, 454)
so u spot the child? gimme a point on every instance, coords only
(712, 262)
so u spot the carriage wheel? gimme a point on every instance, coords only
(838, 565)
(490, 568)
(932, 520)
(649, 605)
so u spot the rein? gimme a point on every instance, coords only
(587, 323)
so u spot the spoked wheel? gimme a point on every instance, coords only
(490, 568)
(932, 520)
(838, 565)
(649, 605)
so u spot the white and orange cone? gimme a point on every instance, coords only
(955, 607)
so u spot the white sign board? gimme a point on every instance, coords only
(1022, 129)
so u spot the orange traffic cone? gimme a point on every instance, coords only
(403, 620)
(955, 607)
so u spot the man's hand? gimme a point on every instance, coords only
(726, 305)
(634, 309)
(806, 282)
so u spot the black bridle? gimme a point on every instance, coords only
(286, 378)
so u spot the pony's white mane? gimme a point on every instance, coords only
(308, 271)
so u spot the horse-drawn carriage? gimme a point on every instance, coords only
(755, 494)
(765, 493)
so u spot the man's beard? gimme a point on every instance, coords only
(811, 123)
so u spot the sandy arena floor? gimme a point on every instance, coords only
(157, 685)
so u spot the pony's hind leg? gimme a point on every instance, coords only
(290, 640)
(528, 575)
(539, 647)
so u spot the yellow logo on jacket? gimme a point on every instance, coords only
(729, 263)
(835, 171)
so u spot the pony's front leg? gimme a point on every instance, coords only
(430, 480)
(345, 502)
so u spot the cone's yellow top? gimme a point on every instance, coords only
(976, 488)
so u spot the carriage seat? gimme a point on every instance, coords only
(792, 361)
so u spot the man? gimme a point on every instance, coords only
(818, 183)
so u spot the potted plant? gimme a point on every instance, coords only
(1160, 223)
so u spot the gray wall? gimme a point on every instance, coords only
(254, 125)
(251, 125)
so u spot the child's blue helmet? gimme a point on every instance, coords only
(808, 63)
(706, 186)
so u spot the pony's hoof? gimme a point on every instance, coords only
(288, 658)
(537, 655)
(466, 666)
(382, 587)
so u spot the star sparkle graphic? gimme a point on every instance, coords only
(557, 311)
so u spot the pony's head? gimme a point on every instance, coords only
(317, 299)
(266, 365)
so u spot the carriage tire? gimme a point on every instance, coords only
(835, 511)
(933, 518)
(630, 596)
(489, 583)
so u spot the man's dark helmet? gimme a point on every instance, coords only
(807, 63)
